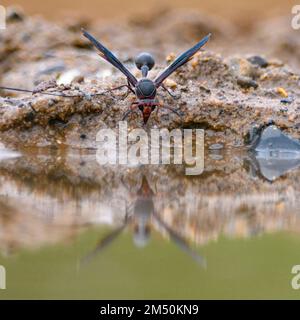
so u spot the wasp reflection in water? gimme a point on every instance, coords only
(141, 215)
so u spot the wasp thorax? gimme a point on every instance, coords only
(144, 59)
(145, 89)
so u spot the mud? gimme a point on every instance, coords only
(226, 89)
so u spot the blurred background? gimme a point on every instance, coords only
(243, 13)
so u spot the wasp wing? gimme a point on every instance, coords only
(103, 243)
(180, 61)
(107, 240)
(180, 242)
(110, 57)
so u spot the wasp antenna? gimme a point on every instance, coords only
(15, 89)
(44, 93)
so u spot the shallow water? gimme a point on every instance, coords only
(71, 228)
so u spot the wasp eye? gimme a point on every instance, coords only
(141, 108)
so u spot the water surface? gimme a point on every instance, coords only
(70, 228)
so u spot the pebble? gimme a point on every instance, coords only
(194, 63)
(242, 68)
(67, 77)
(292, 117)
(30, 116)
(51, 102)
(246, 83)
(259, 61)
(216, 146)
(283, 109)
(14, 14)
(171, 57)
(216, 156)
(287, 100)
(210, 133)
(207, 90)
(170, 83)
(282, 92)
(78, 79)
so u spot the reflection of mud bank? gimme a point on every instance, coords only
(226, 95)
(21, 228)
(47, 198)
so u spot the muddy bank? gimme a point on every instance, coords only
(225, 94)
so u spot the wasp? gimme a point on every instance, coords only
(144, 89)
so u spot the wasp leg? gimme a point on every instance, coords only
(178, 113)
(129, 90)
(130, 87)
(131, 110)
(169, 92)
(40, 92)
(109, 90)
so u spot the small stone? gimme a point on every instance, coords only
(207, 90)
(259, 61)
(30, 116)
(209, 133)
(283, 109)
(14, 14)
(214, 156)
(68, 77)
(282, 92)
(287, 100)
(170, 83)
(194, 63)
(216, 146)
(242, 68)
(170, 57)
(246, 83)
(51, 103)
(78, 79)
(292, 118)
